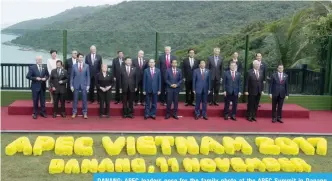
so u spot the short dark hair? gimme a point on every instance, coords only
(52, 51)
(173, 60)
(59, 61)
(201, 61)
(119, 52)
(232, 62)
(191, 49)
(127, 58)
(80, 54)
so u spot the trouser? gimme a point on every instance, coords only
(36, 97)
(117, 91)
(252, 105)
(277, 103)
(57, 96)
(162, 96)
(231, 98)
(150, 104)
(84, 101)
(214, 94)
(69, 93)
(92, 90)
(104, 102)
(128, 105)
(201, 98)
(172, 97)
(139, 96)
(189, 92)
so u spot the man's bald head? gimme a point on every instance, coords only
(39, 59)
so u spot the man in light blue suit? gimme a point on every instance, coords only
(151, 88)
(173, 79)
(201, 87)
(80, 81)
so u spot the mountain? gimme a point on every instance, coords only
(130, 26)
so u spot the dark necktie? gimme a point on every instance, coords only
(233, 75)
(174, 73)
(59, 71)
(128, 71)
(40, 69)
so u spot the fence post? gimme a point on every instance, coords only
(329, 62)
(156, 47)
(245, 67)
(322, 81)
(304, 75)
(64, 45)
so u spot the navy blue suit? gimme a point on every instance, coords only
(151, 87)
(38, 87)
(163, 67)
(201, 86)
(279, 90)
(173, 93)
(232, 88)
(94, 69)
(80, 80)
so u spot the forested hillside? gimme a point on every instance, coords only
(130, 26)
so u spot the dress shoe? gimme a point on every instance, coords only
(85, 116)
(175, 117)
(185, 104)
(130, 116)
(34, 116)
(250, 119)
(210, 103)
(43, 115)
(117, 102)
(226, 117)
(107, 116)
(205, 117)
(279, 120)
(63, 115)
(259, 105)
(136, 104)
(54, 115)
(274, 120)
(167, 116)
(216, 104)
(196, 117)
(146, 117)
(73, 116)
(193, 104)
(233, 118)
(101, 116)
(124, 116)
(153, 117)
(254, 118)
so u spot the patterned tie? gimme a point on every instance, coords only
(202, 74)
(174, 73)
(80, 67)
(167, 61)
(233, 75)
(152, 73)
(280, 79)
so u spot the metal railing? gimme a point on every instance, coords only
(301, 81)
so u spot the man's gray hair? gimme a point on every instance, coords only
(141, 51)
(255, 62)
(168, 47)
(152, 60)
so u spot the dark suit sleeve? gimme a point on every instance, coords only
(101, 62)
(120, 79)
(113, 68)
(221, 66)
(286, 87)
(182, 68)
(65, 79)
(265, 70)
(224, 81)
(247, 82)
(88, 76)
(51, 80)
(240, 84)
(47, 74)
(209, 82)
(167, 78)
(71, 77)
(86, 60)
(97, 81)
(29, 74)
(144, 80)
(181, 79)
(65, 65)
(158, 64)
(194, 80)
(136, 77)
(271, 84)
(159, 81)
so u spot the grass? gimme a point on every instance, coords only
(35, 168)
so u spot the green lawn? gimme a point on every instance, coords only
(35, 168)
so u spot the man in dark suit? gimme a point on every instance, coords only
(117, 66)
(151, 87)
(232, 85)
(38, 75)
(80, 81)
(94, 61)
(215, 67)
(201, 87)
(238, 63)
(58, 80)
(165, 61)
(173, 79)
(188, 66)
(128, 81)
(141, 64)
(70, 62)
(278, 92)
(254, 89)
(263, 69)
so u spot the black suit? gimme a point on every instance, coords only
(58, 75)
(279, 90)
(94, 69)
(239, 65)
(188, 71)
(232, 86)
(216, 74)
(116, 71)
(141, 67)
(68, 66)
(263, 69)
(128, 85)
(254, 87)
(163, 68)
(104, 97)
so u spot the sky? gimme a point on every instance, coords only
(14, 11)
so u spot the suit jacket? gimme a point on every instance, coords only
(102, 81)
(239, 65)
(80, 80)
(277, 87)
(55, 78)
(33, 73)
(141, 70)
(96, 66)
(262, 68)
(116, 67)
(129, 83)
(187, 70)
(152, 84)
(200, 84)
(254, 86)
(162, 63)
(215, 70)
(230, 85)
(69, 65)
(170, 79)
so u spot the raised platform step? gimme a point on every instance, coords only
(24, 107)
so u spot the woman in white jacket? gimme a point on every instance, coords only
(51, 64)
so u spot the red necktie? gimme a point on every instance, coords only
(167, 61)
(80, 69)
(174, 73)
(280, 79)
(233, 75)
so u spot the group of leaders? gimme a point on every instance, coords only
(140, 81)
